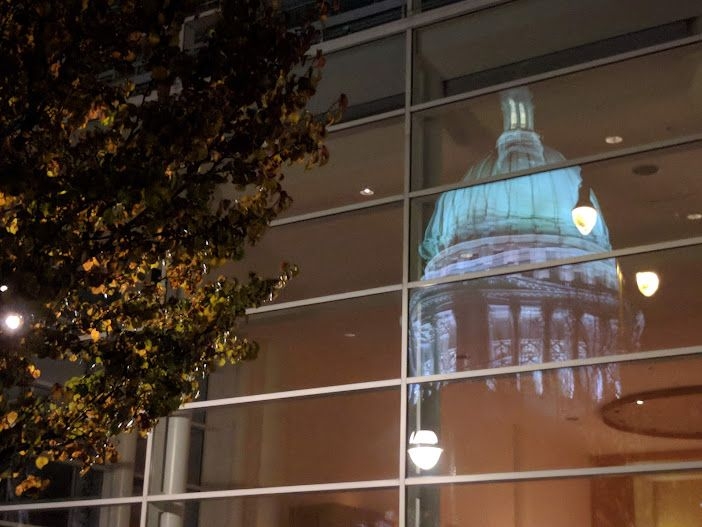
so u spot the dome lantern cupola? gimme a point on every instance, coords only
(518, 143)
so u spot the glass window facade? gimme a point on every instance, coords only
(497, 317)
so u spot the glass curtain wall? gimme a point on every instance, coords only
(497, 320)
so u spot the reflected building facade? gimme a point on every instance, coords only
(548, 315)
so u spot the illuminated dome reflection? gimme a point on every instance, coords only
(559, 314)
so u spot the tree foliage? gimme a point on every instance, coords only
(111, 220)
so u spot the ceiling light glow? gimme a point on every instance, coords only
(584, 219)
(639, 402)
(3, 288)
(367, 191)
(584, 213)
(693, 216)
(613, 139)
(424, 453)
(647, 282)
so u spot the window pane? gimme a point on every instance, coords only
(345, 252)
(371, 508)
(635, 200)
(362, 157)
(320, 345)
(641, 500)
(346, 437)
(563, 313)
(565, 418)
(112, 516)
(557, 119)
(112, 480)
(379, 89)
(345, 16)
(523, 38)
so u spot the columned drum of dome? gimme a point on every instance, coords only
(563, 313)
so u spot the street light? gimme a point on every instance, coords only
(12, 321)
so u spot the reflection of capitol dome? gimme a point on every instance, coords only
(516, 220)
(567, 312)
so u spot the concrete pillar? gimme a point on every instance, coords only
(175, 468)
(118, 481)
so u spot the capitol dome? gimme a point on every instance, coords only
(523, 219)
(564, 312)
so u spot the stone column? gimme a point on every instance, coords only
(175, 468)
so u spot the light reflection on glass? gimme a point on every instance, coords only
(550, 315)
(570, 312)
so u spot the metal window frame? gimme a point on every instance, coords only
(407, 26)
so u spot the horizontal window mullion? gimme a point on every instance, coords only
(292, 394)
(545, 366)
(568, 163)
(643, 468)
(267, 491)
(337, 210)
(324, 299)
(71, 504)
(410, 22)
(508, 270)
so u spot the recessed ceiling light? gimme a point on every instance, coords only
(349, 335)
(645, 170)
(367, 191)
(613, 139)
(639, 402)
(3, 288)
(693, 216)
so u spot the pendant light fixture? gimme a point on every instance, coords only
(647, 282)
(584, 213)
(423, 450)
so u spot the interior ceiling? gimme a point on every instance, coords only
(574, 113)
(381, 63)
(645, 100)
(345, 252)
(371, 156)
(530, 28)
(671, 412)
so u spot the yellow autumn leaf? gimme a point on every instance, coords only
(41, 462)
(94, 334)
(13, 226)
(34, 371)
(89, 264)
(11, 418)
